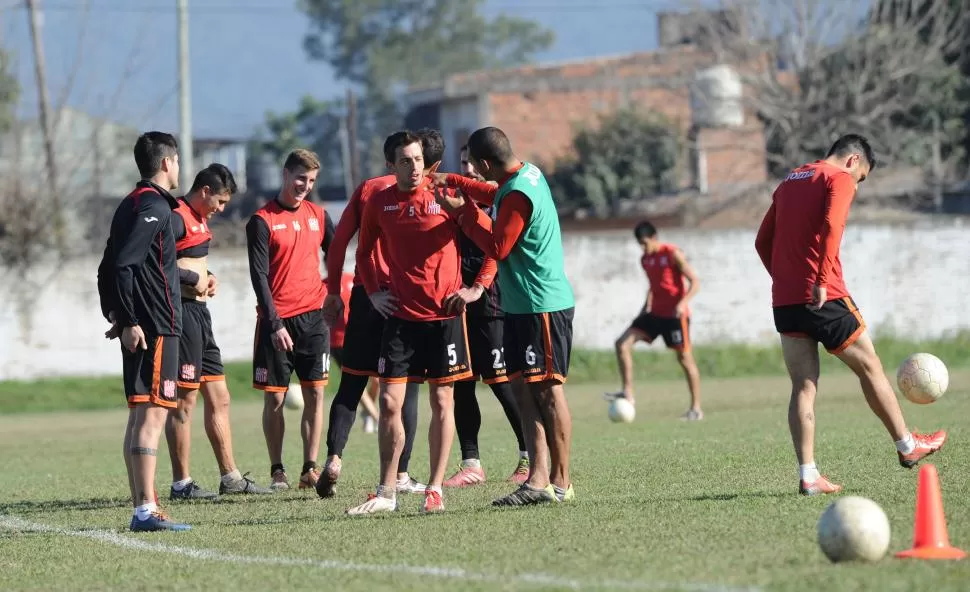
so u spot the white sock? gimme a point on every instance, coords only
(435, 488)
(231, 477)
(387, 492)
(144, 511)
(808, 473)
(907, 445)
(524, 454)
(180, 485)
(471, 463)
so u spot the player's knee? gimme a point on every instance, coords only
(442, 400)
(313, 396)
(622, 343)
(804, 386)
(274, 402)
(390, 403)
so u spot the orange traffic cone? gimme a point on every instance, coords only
(930, 539)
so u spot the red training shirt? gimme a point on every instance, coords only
(667, 286)
(497, 239)
(801, 233)
(196, 228)
(421, 248)
(346, 229)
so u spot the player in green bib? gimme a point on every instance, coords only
(523, 236)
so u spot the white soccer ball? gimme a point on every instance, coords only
(854, 529)
(922, 378)
(622, 410)
(294, 397)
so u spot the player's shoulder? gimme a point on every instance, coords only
(671, 249)
(374, 185)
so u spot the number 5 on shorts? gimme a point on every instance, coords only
(452, 355)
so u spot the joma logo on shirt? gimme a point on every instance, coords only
(393, 208)
(279, 226)
(800, 175)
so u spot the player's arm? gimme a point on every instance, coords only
(346, 229)
(497, 239)
(486, 275)
(134, 235)
(685, 268)
(766, 237)
(370, 231)
(328, 232)
(257, 248)
(840, 189)
(649, 303)
(476, 190)
(187, 277)
(106, 283)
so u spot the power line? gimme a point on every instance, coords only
(250, 9)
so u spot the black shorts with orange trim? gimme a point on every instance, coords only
(419, 351)
(150, 375)
(675, 331)
(486, 341)
(310, 358)
(538, 345)
(362, 337)
(200, 359)
(837, 325)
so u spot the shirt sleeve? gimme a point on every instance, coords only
(106, 282)
(257, 247)
(369, 233)
(486, 275)
(328, 232)
(840, 192)
(766, 237)
(497, 239)
(187, 277)
(133, 239)
(178, 227)
(476, 190)
(346, 229)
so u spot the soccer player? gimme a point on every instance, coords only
(798, 242)
(485, 324)
(523, 235)
(424, 335)
(200, 361)
(666, 314)
(138, 289)
(284, 239)
(338, 330)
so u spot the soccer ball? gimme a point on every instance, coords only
(622, 410)
(294, 397)
(853, 529)
(923, 378)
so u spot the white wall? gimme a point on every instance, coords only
(910, 279)
(460, 114)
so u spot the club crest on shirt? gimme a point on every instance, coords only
(314, 225)
(432, 208)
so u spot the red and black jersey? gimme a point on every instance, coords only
(349, 225)
(667, 287)
(192, 234)
(284, 259)
(801, 233)
(421, 246)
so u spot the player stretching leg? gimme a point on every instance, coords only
(424, 335)
(536, 297)
(485, 324)
(798, 242)
(200, 361)
(666, 314)
(284, 240)
(138, 289)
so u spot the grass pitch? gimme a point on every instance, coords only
(660, 504)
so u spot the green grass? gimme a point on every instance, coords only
(694, 506)
(586, 366)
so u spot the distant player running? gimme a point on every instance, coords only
(523, 234)
(485, 337)
(424, 335)
(666, 314)
(200, 361)
(284, 239)
(799, 242)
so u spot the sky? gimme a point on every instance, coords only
(117, 59)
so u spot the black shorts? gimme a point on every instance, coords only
(485, 340)
(538, 346)
(675, 331)
(362, 337)
(199, 357)
(151, 374)
(310, 357)
(836, 325)
(416, 351)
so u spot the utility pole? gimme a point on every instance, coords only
(186, 152)
(40, 70)
(352, 137)
(345, 159)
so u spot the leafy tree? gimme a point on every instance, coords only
(628, 156)
(314, 125)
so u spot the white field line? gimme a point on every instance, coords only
(136, 543)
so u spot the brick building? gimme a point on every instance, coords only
(541, 106)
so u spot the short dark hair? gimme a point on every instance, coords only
(399, 140)
(217, 177)
(645, 230)
(853, 144)
(150, 149)
(432, 145)
(491, 144)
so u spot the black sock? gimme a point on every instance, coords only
(310, 464)
(409, 415)
(275, 468)
(506, 397)
(343, 411)
(468, 419)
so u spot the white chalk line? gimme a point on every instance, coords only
(134, 543)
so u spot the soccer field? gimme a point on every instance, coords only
(661, 504)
